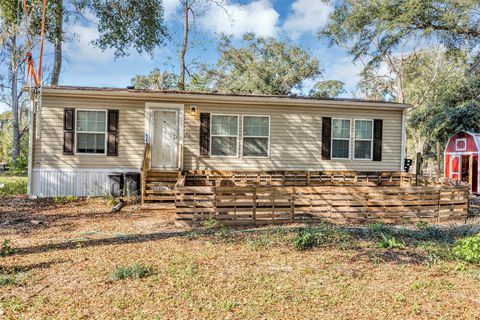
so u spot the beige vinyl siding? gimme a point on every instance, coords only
(295, 139)
(48, 147)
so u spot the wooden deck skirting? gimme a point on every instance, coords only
(249, 198)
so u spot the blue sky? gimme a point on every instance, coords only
(296, 20)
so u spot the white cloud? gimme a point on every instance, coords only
(258, 16)
(170, 8)
(346, 71)
(81, 49)
(306, 16)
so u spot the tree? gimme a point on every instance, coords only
(328, 89)
(156, 80)
(122, 25)
(260, 66)
(377, 28)
(12, 55)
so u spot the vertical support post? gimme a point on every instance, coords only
(292, 204)
(254, 210)
(418, 167)
(438, 203)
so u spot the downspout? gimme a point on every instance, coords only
(404, 138)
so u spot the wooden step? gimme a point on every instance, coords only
(158, 206)
(159, 184)
(166, 192)
(159, 198)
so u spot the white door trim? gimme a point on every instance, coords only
(180, 109)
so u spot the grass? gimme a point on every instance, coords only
(333, 272)
(134, 271)
(12, 185)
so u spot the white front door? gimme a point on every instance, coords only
(164, 139)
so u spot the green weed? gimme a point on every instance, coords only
(390, 242)
(377, 227)
(12, 185)
(323, 235)
(6, 249)
(134, 271)
(468, 249)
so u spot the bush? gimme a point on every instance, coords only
(377, 227)
(11, 185)
(6, 249)
(134, 271)
(321, 236)
(468, 249)
(391, 243)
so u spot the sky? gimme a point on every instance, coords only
(295, 20)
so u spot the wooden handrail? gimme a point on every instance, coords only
(144, 168)
(146, 158)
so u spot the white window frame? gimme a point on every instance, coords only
(349, 139)
(268, 137)
(355, 139)
(237, 136)
(464, 140)
(95, 132)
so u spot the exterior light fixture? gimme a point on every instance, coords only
(193, 110)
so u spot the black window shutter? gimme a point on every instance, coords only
(204, 134)
(68, 131)
(112, 138)
(326, 135)
(377, 139)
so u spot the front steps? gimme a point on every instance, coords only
(158, 189)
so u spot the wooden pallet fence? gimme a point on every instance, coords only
(294, 178)
(273, 205)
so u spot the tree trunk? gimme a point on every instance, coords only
(57, 60)
(181, 80)
(14, 97)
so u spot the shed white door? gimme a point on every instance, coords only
(165, 139)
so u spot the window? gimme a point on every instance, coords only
(363, 139)
(461, 144)
(91, 131)
(224, 135)
(340, 138)
(256, 136)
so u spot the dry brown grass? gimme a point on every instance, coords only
(64, 271)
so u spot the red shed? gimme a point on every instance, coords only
(461, 158)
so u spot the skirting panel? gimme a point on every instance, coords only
(79, 183)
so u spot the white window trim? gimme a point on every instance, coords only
(237, 136)
(349, 139)
(268, 137)
(97, 132)
(464, 142)
(355, 139)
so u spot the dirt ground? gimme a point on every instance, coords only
(65, 253)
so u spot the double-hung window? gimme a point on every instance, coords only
(256, 136)
(363, 139)
(340, 138)
(224, 135)
(91, 129)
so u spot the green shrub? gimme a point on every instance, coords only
(390, 242)
(6, 249)
(323, 235)
(134, 271)
(111, 200)
(7, 279)
(211, 222)
(468, 249)
(12, 185)
(377, 227)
